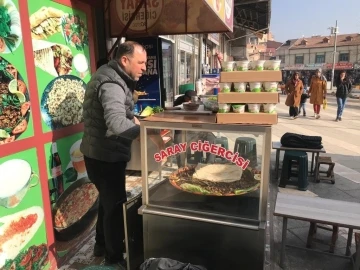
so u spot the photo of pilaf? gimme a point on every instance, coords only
(61, 103)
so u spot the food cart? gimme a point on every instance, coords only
(208, 214)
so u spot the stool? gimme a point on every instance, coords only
(300, 160)
(312, 232)
(329, 172)
(223, 142)
(246, 147)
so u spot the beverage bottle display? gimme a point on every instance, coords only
(56, 171)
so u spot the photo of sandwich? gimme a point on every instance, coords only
(56, 59)
(216, 179)
(45, 22)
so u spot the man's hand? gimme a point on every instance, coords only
(136, 121)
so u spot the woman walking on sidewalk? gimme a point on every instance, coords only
(294, 89)
(317, 92)
(344, 87)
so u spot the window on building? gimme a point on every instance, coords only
(320, 59)
(254, 40)
(282, 58)
(299, 59)
(344, 57)
(188, 67)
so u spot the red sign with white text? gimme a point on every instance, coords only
(203, 147)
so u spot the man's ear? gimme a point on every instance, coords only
(123, 60)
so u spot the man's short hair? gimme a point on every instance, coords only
(127, 48)
(190, 93)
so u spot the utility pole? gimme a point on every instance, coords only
(334, 30)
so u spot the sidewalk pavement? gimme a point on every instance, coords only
(341, 141)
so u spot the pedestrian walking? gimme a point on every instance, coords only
(317, 92)
(344, 88)
(294, 89)
(303, 100)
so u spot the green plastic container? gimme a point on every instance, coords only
(186, 87)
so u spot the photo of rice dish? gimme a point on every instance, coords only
(62, 100)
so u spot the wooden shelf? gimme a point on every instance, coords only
(249, 97)
(247, 118)
(251, 76)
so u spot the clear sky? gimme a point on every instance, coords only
(292, 19)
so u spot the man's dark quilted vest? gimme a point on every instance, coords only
(97, 143)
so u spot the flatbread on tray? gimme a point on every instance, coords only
(216, 179)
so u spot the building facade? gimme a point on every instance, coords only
(308, 54)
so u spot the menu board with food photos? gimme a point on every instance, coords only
(60, 44)
(23, 242)
(45, 51)
(15, 104)
(74, 198)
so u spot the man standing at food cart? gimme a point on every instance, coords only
(109, 129)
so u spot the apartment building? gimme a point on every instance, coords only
(317, 52)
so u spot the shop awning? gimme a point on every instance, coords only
(324, 66)
(169, 17)
(252, 15)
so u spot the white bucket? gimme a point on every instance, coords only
(271, 86)
(225, 87)
(224, 108)
(240, 87)
(227, 66)
(255, 86)
(254, 108)
(269, 108)
(242, 65)
(238, 108)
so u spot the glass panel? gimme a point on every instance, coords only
(182, 68)
(189, 68)
(208, 172)
(167, 60)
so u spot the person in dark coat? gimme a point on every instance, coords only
(110, 127)
(304, 97)
(185, 98)
(344, 88)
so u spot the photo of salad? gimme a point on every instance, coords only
(75, 31)
(10, 28)
(14, 103)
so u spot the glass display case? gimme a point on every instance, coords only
(209, 198)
